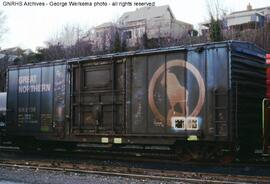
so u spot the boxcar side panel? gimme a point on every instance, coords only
(171, 95)
(46, 112)
(198, 88)
(36, 99)
(12, 101)
(177, 95)
(139, 110)
(217, 93)
(156, 96)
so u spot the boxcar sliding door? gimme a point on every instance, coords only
(98, 97)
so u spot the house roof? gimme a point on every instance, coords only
(146, 13)
(239, 14)
(253, 10)
(104, 25)
(248, 12)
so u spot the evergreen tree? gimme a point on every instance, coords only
(124, 45)
(145, 41)
(215, 30)
(117, 43)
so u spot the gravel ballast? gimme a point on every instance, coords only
(29, 176)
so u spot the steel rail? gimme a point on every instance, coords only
(131, 175)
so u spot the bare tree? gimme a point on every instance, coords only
(260, 35)
(70, 41)
(216, 14)
(3, 58)
(68, 35)
(3, 28)
(107, 39)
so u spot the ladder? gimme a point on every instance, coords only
(220, 113)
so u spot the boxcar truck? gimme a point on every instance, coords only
(201, 100)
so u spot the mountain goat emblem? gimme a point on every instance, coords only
(177, 94)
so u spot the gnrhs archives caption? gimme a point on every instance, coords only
(75, 3)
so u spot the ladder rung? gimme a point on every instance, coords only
(220, 107)
(221, 94)
(220, 135)
(220, 121)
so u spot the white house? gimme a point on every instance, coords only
(155, 22)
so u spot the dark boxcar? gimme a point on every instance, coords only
(207, 93)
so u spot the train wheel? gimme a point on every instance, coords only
(191, 152)
(27, 145)
(227, 159)
(28, 148)
(224, 157)
(205, 153)
(181, 153)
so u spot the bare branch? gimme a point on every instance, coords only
(3, 28)
(67, 36)
(70, 41)
(215, 9)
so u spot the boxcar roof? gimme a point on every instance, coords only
(257, 51)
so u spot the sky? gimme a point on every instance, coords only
(31, 26)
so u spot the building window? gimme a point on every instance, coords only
(127, 34)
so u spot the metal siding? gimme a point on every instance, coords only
(12, 102)
(176, 78)
(199, 61)
(46, 111)
(139, 98)
(23, 99)
(119, 97)
(31, 94)
(217, 92)
(3, 102)
(248, 88)
(59, 97)
(156, 125)
(211, 64)
(34, 96)
(128, 97)
(67, 101)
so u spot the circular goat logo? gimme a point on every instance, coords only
(177, 94)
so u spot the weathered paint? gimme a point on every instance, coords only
(36, 98)
(213, 91)
(3, 102)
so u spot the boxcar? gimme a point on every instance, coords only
(205, 96)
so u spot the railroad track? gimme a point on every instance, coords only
(190, 177)
(55, 163)
(132, 156)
